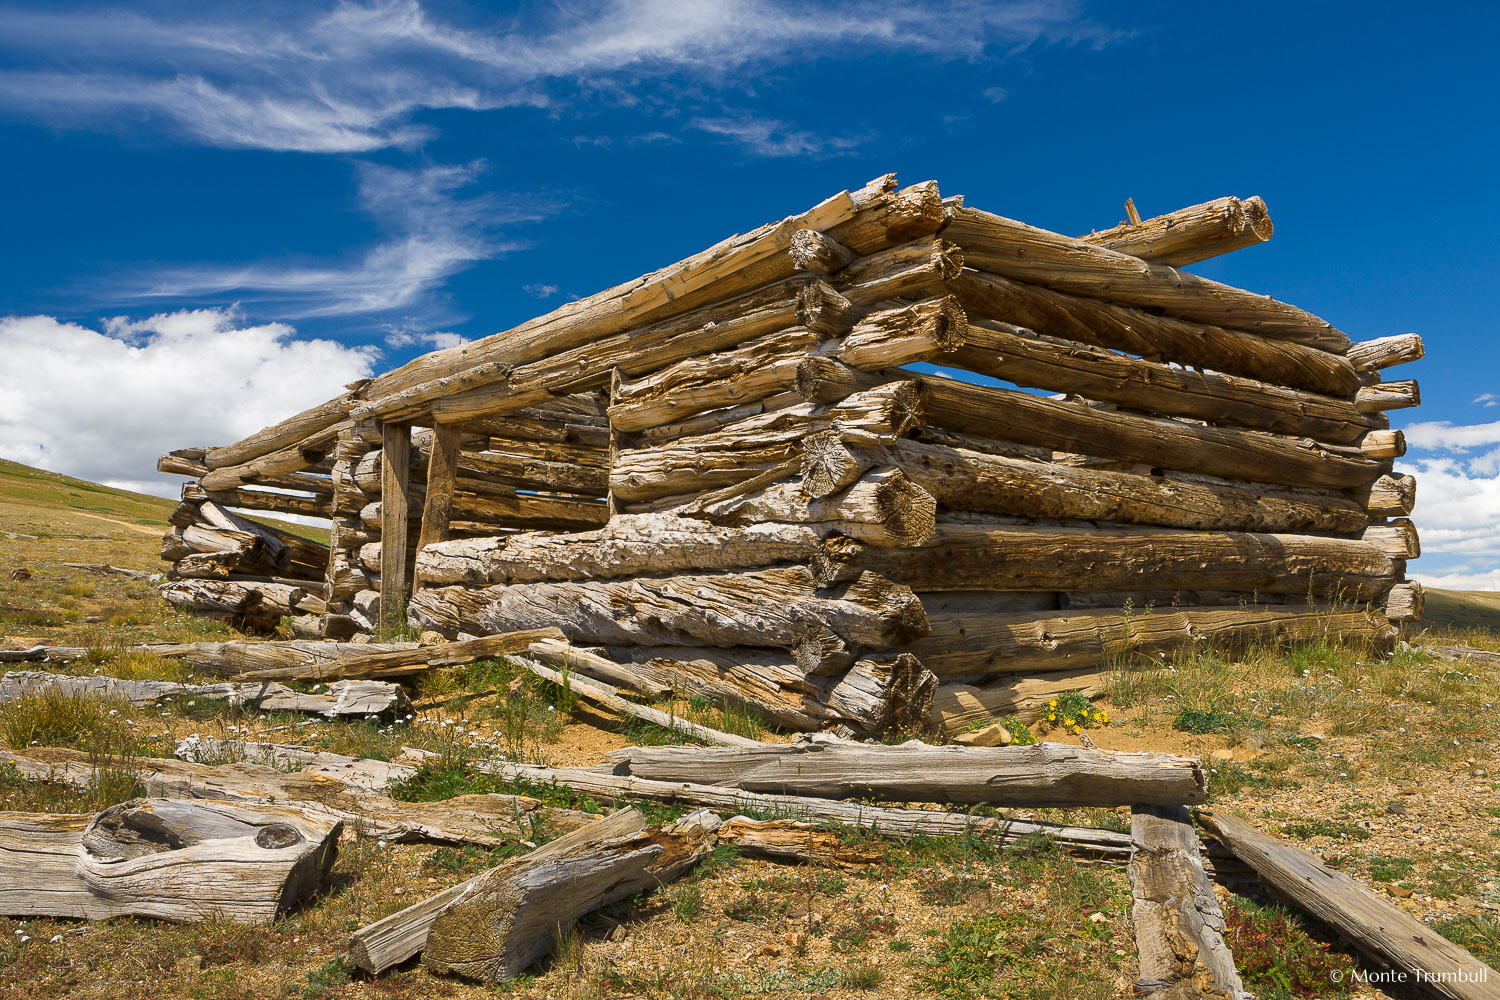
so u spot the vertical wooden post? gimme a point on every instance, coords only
(442, 476)
(612, 506)
(395, 469)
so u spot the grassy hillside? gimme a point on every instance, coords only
(1462, 610)
(48, 520)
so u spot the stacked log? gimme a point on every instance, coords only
(893, 459)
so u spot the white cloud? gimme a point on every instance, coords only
(993, 94)
(1487, 399)
(436, 340)
(1460, 580)
(431, 235)
(539, 290)
(1436, 435)
(104, 405)
(769, 137)
(351, 78)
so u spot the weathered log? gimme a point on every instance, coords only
(1458, 654)
(369, 662)
(343, 698)
(979, 645)
(487, 820)
(819, 253)
(609, 696)
(183, 462)
(1397, 538)
(1191, 234)
(1044, 774)
(603, 784)
(1383, 444)
(1093, 321)
(756, 444)
(1159, 441)
(1388, 396)
(511, 915)
(269, 501)
(1179, 928)
(890, 338)
(955, 707)
(960, 479)
(882, 507)
(1386, 352)
(601, 668)
(1380, 930)
(1004, 246)
(922, 266)
(1013, 353)
(207, 565)
(212, 598)
(758, 368)
(1391, 495)
(796, 841)
(164, 859)
(442, 472)
(821, 378)
(276, 465)
(630, 545)
(773, 607)
(310, 423)
(884, 694)
(1405, 602)
(395, 449)
(1028, 557)
(511, 510)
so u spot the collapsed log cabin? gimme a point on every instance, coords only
(893, 458)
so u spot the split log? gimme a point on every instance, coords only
(758, 368)
(773, 607)
(1388, 396)
(1229, 452)
(1191, 234)
(487, 820)
(367, 662)
(167, 860)
(1028, 557)
(609, 696)
(1386, 352)
(979, 645)
(342, 700)
(1179, 928)
(1144, 334)
(961, 479)
(1004, 246)
(509, 916)
(1391, 496)
(819, 253)
(207, 565)
(1380, 930)
(1044, 774)
(1405, 602)
(756, 444)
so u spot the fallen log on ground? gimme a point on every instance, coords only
(106, 568)
(1046, 774)
(487, 820)
(1459, 653)
(165, 859)
(599, 668)
(1377, 928)
(510, 916)
(1179, 928)
(796, 840)
(403, 662)
(609, 696)
(343, 698)
(602, 784)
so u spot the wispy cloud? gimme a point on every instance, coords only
(540, 291)
(430, 234)
(769, 137)
(352, 78)
(1487, 399)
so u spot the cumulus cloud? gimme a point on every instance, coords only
(430, 235)
(1458, 503)
(104, 404)
(1442, 434)
(350, 78)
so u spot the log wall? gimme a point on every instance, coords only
(891, 452)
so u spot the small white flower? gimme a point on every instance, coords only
(55, 938)
(191, 704)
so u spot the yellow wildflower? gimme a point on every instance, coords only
(1051, 716)
(1068, 721)
(1052, 703)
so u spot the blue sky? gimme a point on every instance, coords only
(214, 219)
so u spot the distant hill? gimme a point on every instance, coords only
(1462, 609)
(36, 499)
